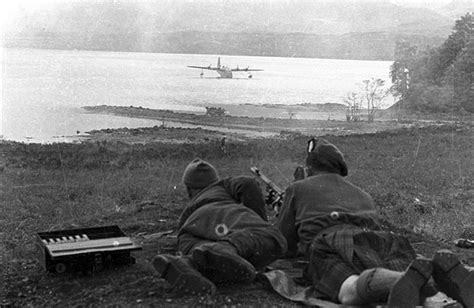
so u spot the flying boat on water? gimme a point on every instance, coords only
(224, 71)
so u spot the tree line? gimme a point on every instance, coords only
(437, 79)
(433, 80)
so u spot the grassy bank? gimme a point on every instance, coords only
(421, 180)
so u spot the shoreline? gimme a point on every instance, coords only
(257, 121)
(237, 126)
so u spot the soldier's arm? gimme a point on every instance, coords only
(286, 222)
(246, 190)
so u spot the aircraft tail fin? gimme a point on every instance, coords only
(218, 62)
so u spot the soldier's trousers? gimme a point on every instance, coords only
(258, 245)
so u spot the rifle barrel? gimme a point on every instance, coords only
(267, 181)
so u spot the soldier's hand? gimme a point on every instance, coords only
(270, 196)
(299, 173)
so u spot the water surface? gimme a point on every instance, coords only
(44, 90)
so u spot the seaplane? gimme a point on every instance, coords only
(224, 71)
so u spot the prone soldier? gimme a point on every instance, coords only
(223, 234)
(334, 224)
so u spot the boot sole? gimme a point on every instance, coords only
(189, 282)
(193, 285)
(406, 290)
(222, 267)
(453, 278)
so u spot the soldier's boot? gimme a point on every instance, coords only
(406, 290)
(374, 285)
(452, 278)
(180, 273)
(220, 262)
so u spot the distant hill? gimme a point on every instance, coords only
(361, 46)
(456, 8)
(351, 30)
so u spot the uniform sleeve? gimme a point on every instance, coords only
(246, 190)
(186, 241)
(286, 222)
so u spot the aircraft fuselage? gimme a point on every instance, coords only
(224, 72)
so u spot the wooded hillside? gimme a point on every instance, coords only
(346, 30)
(437, 79)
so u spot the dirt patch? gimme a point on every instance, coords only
(158, 134)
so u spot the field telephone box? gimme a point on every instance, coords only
(84, 249)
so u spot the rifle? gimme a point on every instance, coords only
(275, 193)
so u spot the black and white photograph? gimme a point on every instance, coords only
(237, 153)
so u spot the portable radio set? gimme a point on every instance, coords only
(84, 249)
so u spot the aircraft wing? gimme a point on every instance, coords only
(204, 67)
(246, 69)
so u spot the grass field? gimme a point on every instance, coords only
(420, 178)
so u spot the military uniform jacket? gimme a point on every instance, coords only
(321, 204)
(228, 206)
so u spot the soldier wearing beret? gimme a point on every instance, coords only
(334, 224)
(223, 234)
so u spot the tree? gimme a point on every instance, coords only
(438, 79)
(451, 49)
(354, 104)
(400, 71)
(460, 77)
(373, 92)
